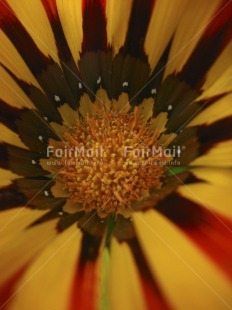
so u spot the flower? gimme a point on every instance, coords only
(115, 154)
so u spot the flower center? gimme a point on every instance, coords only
(112, 162)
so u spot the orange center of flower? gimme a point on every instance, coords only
(111, 162)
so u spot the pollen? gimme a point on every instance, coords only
(111, 163)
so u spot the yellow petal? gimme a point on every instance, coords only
(219, 76)
(85, 105)
(47, 283)
(70, 14)
(15, 220)
(69, 116)
(122, 104)
(125, 288)
(159, 122)
(58, 190)
(185, 275)
(72, 207)
(218, 110)
(11, 93)
(145, 109)
(117, 25)
(10, 58)
(219, 156)
(23, 246)
(213, 197)
(102, 99)
(33, 17)
(222, 85)
(216, 176)
(59, 129)
(195, 19)
(7, 177)
(11, 137)
(164, 19)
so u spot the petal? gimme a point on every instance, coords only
(14, 250)
(145, 109)
(15, 220)
(209, 230)
(94, 26)
(48, 281)
(214, 195)
(164, 19)
(220, 109)
(70, 14)
(34, 19)
(195, 18)
(213, 236)
(125, 285)
(216, 176)
(7, 177)
(24, 162)
(218, 78)
(116, 25)
(11, 137)
(11, 59)
(86, 281)
(69, 116)
(218, 156)
(11, 93)
(184, 273)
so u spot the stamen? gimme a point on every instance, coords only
(104, 176)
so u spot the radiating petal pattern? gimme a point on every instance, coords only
(115, 154)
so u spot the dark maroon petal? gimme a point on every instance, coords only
(181, 211)
(38, 193)
(10, 197)
(217, 132)
(151, 290)
(24, 162)
(213, 237)
(35, 132)
(8, 288)
(8, 115)
(94, 25)
(85, 284)
(174, 96)
(137, 28)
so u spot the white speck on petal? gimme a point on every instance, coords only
(57, 98)
(154, 91)
(99, 80)
(40, 138)
(170, 107)
(125, 84)
(33, 162)
(46, 193)
(80, 86)
(45, 118)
